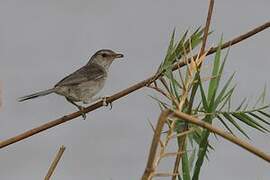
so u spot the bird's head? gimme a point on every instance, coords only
(105, 57)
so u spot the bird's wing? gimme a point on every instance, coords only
(84, 74)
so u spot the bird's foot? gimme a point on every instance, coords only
(81, 108)
(105, 102)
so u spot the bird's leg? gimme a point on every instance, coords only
(81, 108)
(104, 101)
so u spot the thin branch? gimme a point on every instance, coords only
(207, 26)
(55, 162)
(122, 93)
(223, 134)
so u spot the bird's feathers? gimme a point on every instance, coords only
(87, 73)
(40, 93)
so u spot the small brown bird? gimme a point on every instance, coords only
(85, 83)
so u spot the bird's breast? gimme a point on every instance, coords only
(83, 91)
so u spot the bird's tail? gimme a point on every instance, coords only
(40, 93)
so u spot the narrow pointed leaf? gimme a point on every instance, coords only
(213, 85)
(164, 105)
(222, 92)
(201, 155)
(192, 159)
(225, 125)
(259, 118)
(261, 98)
(249, 121)
(241, 104)
(226, 98)
(204, 100)
(185, 165)
(231, 120)
(264, 113)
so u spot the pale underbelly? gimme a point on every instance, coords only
(81, 92)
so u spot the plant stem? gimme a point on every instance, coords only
(55, 162)
(223, 134)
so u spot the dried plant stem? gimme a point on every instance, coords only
(122, 93)
(55, 162)
(223, 134)
(182, 140)
(207, 26)
(150, 167)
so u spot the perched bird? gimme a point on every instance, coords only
(83, 84)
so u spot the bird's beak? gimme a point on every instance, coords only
(118, 55)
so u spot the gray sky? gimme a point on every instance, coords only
(43, 41)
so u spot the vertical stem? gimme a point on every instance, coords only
(194, 88)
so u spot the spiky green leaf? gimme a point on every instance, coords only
(232, 121)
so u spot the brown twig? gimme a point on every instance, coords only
(223, 134)
(55, 162)
(150, 167)
(182, 140)
(207, 26)
(120, 94)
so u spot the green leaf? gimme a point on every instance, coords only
(225, 125)
(261, 98)
(223, 63)
(214, 82)
(163, 104)
(201, 154)
(222, 92)
(231, 120)
(185, 165)
(249, 121)
(264, 113)
(179, 48)
(204, 100)
(196, 37)
(259, 118)
(170, 51)
(192, 159)
(176, 83)
(173, 84)
(226, 98)
(193, 92)
(241, 104)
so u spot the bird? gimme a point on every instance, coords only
(83, 84)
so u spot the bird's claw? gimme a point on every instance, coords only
(81, 108)
(105, 102)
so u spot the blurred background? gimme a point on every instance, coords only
(43, 41)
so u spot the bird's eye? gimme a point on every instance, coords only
(104, 55)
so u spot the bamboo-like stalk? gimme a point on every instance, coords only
(150, 170)
(122, 93)
(150, 167)
(55, 162)
(182, 140)
(223, 134)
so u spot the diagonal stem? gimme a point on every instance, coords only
(150, 167)
(55, 162)
(223, 134)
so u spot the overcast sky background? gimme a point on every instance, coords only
(43, 41)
